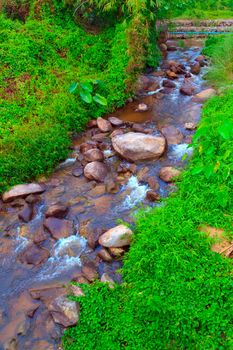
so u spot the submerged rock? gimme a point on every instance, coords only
(187, 89)
(115, 121)
(26, 213)
(33, 255)
(59, 228)
(93, 155)
(96, 171)
(168, 174)
(57, 211)
(138, 146)
(172, 134)
(196, 68)
(22, 191)
(142, 107)
(116, 237)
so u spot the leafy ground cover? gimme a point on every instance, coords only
(177, 292)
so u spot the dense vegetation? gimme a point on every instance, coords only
(177, 293)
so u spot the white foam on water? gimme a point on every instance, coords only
(65, 256)
(179, 151)
(67, 162)
(20, 242)
(137, 195)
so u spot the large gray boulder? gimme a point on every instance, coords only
(138, 146)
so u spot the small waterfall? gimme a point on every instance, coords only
(137, 195)
(65, 256)
(179, 151)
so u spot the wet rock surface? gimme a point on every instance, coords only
(138, 146)
(64, 229)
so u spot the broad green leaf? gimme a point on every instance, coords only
(197, 170)
(73, 87)
(87, 87)
(86, 96)
(226, 129)
(100, 99)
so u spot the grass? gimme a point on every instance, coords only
(177, 293)
(206, 14)
(221, 51)
(40, 59)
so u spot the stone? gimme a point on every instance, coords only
(115, 121)
(205, 95)
(153, 86)
(190, 126)
(59, 228)
(142, 107)
(105, 278)
(42, 345)
(141, 128)
(116, 132)
(33, 255)
(10, 344)
(195, 68)
(104, 255)
(84, 147)
(172, 135)
(168, 174)
(76, 291)
(94, 155)
(92, 123)
(171, 75)
(64, 311)
(116, 237)
(138, 146)
(112, 186)
(77, 172)
(89, 272)
(39, 235)
(104, 125)
(99, 137)
(152, 196)
(22, 191)
(169, 84)
(142, 173)
(32, 199)
(153, 183)
(187, 89)
(163, 47)
(117, 252)
(26, 213)
(171, 48)
(96, 171)
(57, 210)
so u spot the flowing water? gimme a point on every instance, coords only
(26, 322)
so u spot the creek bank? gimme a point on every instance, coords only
(66, 236)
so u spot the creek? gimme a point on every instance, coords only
(30, 279)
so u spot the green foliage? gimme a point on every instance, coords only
(40, 60)
(86, 91)
(177, 293)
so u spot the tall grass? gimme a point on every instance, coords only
(221, 51)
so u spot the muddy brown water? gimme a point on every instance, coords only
(25, 323)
